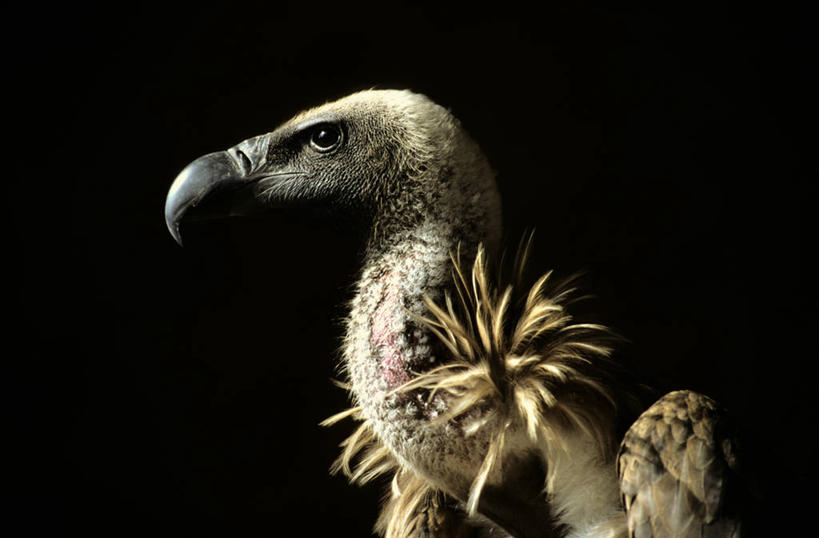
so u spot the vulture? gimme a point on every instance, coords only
(477, 397)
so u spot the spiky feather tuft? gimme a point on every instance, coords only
(516, 364)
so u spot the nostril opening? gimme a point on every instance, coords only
(244, 160)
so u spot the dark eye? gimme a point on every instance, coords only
(325, 137)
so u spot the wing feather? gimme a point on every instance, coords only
(674, 466)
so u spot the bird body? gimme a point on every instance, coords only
(492, 409)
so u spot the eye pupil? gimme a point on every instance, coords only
(325, 137)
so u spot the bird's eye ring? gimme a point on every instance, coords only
(326, 137)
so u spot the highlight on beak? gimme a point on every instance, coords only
(235, 171)
(199, 181)
(224, 184)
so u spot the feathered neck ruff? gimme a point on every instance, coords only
(516, 364)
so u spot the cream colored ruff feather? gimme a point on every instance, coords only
(528, 380)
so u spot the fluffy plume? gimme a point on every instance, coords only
(517, 365)
(411, 505)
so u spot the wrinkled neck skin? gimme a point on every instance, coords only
(385, 345)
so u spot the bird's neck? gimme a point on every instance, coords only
(386, 347)
(385, 343)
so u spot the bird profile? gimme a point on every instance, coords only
(493, 411)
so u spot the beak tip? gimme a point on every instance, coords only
(207, 175)
(172, 219)
(177, 235)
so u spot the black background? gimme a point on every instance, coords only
(159, 391)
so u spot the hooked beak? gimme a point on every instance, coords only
(218, 184)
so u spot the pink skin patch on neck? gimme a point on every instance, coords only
(385, 329)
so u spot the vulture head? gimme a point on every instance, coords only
(392, 158)
(485, 402)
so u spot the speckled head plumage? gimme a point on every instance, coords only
(402, 159)
(390, 157)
